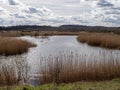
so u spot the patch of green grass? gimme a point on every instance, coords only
(103, 85)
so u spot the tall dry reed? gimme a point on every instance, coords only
(14, 72)
(72, 68)
(12, 46)
(111, 41)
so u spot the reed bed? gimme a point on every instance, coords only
(36, 33)
(111, 41)
(74, 68)
(64, 68)
(12, 46)
(7, 76)
(14, 72)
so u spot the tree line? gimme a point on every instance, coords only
(65, 28)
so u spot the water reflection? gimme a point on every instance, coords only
(52, 46)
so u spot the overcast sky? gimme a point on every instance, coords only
(61, 7)
(57, 12)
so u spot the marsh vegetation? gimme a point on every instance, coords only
(68, 68)
(77, 63)
(14, 72)
(64, 68)
(13, 46)
(110, 41)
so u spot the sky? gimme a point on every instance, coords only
(59, 12)
(60, 7)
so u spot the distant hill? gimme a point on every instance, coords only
(73, 28)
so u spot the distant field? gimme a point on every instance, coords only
(35, 33)
(109, 40)
(106, 85)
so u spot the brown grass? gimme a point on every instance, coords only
(12, 46)
(7, 75)
(64, 68)
(70, 68)
(35, 33)
(14, 72)
(111, 41)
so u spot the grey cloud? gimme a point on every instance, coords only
(60, 12)
(13, 2)
(104, 3)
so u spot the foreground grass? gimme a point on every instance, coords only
(106, 85)
(110, 41)
(12, 46)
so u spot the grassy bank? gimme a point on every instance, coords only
(106, 85)
(35, 33)
(111, 41)
(12, 46)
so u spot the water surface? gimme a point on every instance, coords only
(56, 45)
